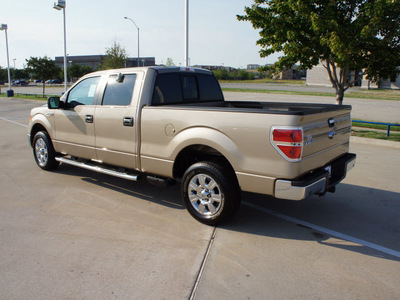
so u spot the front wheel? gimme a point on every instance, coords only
(43, 151)
(210, 192)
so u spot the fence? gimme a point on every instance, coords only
(378, 123)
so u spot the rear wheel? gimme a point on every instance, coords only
(210, 192)
(43, 151)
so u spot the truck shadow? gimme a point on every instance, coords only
(364, 213)
(169, 196)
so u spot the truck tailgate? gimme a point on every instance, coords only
(326, 131)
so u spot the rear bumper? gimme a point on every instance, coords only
(317, 182)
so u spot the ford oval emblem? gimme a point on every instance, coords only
(331, 134)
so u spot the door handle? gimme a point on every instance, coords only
(128, 121)
(89, 118)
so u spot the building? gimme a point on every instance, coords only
(253, 66)
(94, 61)
(393, 83)
(318, 75)
(294, 73)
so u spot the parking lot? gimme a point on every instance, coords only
(75, 234)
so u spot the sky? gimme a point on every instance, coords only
(216, 37)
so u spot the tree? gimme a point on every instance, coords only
(170, 62)
(345, 36)
(116, 57)
(19, 74)
(77, 70)
(42, 68)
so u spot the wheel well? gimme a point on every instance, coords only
(197, 153)
(35, 129)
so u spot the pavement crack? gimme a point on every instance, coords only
(203, 264)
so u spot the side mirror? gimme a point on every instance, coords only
(53, 102)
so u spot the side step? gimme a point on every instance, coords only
(124, 175)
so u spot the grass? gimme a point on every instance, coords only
(367, 94)
(375, 135)
(29, 96)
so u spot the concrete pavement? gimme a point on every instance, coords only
(74, 234)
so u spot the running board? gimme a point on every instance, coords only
(98, 169)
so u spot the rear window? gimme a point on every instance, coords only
(176, 88)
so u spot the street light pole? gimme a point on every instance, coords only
(138, 53)
(60, 5)
(186, 56)
(4, 27)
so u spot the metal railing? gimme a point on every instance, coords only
(378, 123)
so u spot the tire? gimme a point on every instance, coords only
(210, 192)
(43, 151)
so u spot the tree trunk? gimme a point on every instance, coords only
(339, 96)
(43, 88)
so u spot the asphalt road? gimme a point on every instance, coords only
(75, 234)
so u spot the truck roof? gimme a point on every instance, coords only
(158, 69)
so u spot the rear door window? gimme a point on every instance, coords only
(119, 90)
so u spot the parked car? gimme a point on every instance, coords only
(173, 125)
(38, 81)
(21, 83)
(54, 81)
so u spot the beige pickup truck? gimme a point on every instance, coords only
(173, 125)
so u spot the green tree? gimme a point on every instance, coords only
(344, 36)
(19, 74)
(42, 68)
(169, 62)
(77, 70)
(116, 57)
(222, 74)
(3, 74)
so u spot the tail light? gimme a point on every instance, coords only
(288, 141)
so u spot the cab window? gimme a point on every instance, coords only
(119, 90)
(178, 88)
(84, 92)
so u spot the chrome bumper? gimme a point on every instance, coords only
(318, 183)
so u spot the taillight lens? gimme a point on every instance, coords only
(288, 135)
(292, 152)
(288, 142)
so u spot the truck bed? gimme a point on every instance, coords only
(263, 107)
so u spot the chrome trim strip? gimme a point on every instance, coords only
(253, 175)
(155, 158)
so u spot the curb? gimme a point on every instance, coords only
(375, 142)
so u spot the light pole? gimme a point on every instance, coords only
(186, 56)
(14, 59)
(10, 91)
(138, 53)
(60, 5)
